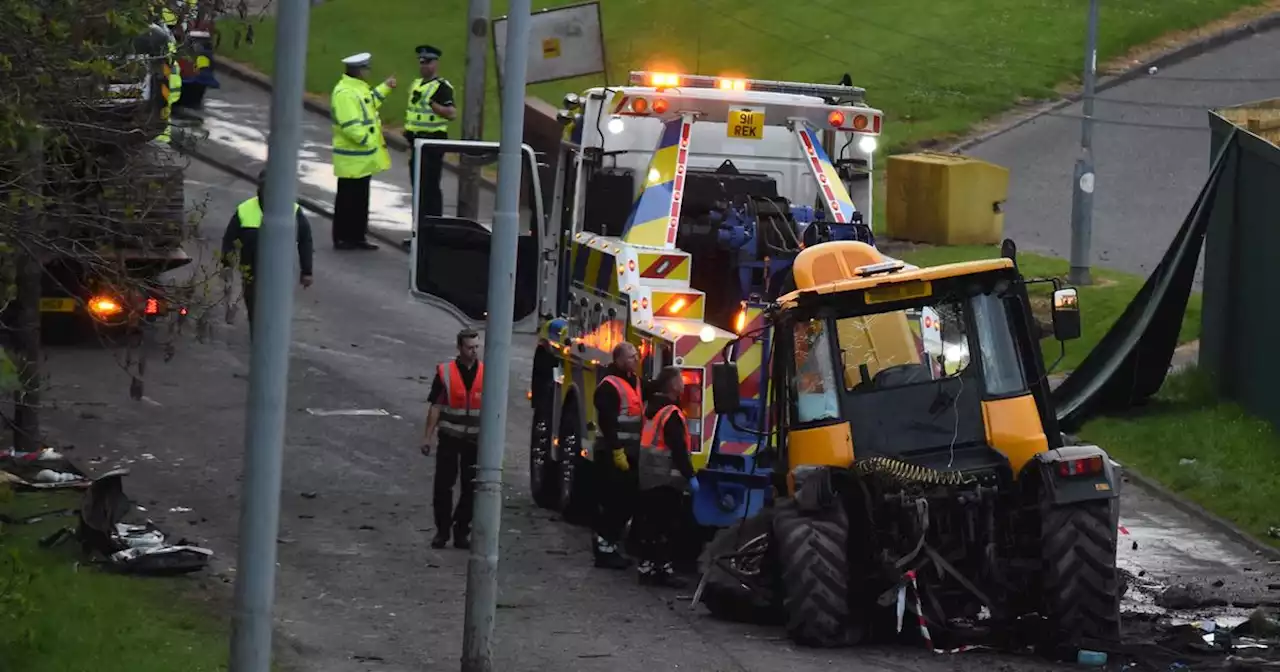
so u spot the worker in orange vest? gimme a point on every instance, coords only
(665, 471)
(456, 394)
(619, 415)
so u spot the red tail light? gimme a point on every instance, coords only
(1087, 466)
(153, 307)
(691, 404)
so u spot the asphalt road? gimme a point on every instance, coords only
(358, 587)
(1147, 177)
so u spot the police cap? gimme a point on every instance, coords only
(427, 52)
(360, 60)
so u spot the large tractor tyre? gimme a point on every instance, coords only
(751, 592)
(544, 473)
(1081, 585)
(576, 497)
(812, 551)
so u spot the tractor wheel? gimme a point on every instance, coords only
(812, 550)
(1081, 585)
(544, 473)
(750, 592)
(575, 471)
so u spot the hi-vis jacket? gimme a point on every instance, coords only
(460, 414)
(630, 416)
(656, 466)
(359, 150)
(420, 118)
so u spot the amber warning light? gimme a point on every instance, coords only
(105, 306)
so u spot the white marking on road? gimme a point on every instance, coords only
(329, 351)
(389, 205)
(321, 412)
(389, 339)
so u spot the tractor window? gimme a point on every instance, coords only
(815, 379)
(1001, 367)
(903, 347)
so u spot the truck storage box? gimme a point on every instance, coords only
(945, 199)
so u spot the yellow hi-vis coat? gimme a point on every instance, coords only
(359, 150)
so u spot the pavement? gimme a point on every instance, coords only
(358, 587)
(1151, 157)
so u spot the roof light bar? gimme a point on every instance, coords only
(840, 94)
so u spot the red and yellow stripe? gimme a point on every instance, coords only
(664, 266)
(676, 304)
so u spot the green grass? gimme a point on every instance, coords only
(56, 616)
(935, 68)
(1100, 304)
(1236, 473)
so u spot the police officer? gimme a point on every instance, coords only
(619, 413)
(359, 150)
(665, 470)
(431, 108)
(240, 245)
(456, 394)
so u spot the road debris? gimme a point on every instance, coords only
(322, 412)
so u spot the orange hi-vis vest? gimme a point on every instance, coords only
(656, 468)
(630, 416)
(460, 414)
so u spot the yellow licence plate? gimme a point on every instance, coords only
(745, 124)
(57, 305)
(898, 292)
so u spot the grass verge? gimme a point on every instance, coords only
(1100, 304)
(936, 69)
(57, 616)
(1206, 450)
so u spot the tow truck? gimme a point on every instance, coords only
(677, 204)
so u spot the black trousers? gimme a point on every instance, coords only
(454, 456)
(248, 287)
(617, 499)
(657, 517)
(351, 210)
(430, 194)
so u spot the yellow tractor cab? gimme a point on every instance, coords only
(927, 475)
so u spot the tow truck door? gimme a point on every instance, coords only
(449, 255)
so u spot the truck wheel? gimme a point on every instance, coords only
(575, 476)
(544, 483)
(749, 594)
(813, 555)
(1081, 585)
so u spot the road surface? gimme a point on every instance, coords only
(1147, 177)
(359, 588)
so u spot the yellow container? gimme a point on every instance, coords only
(945, 199)
(1261, 118)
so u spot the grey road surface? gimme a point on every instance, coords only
(1147, 176)
(359, 589)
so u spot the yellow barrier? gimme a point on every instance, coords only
(945, 199)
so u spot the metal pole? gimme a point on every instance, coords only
(269, 361)
(482, 567)
(473, 91)
(1082, 190)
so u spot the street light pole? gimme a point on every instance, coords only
(482, 566)
(1082, 189)
(269, 361)
(473, 92)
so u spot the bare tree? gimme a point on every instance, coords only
(92, 207)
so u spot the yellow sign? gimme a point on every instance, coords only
(900, 291)
(551, 47)
(57, 305)
(745, 124)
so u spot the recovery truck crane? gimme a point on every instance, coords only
(678, 204)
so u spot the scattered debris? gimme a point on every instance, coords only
(1187, 461)
(1187, 596)
(131, 548)
(179, 509)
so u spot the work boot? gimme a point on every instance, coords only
(461, 539)
(440, 540)
(663, 575)
(608, 557)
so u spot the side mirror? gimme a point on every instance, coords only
(724, 379)
(1066, 314)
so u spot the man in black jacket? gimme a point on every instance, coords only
(619, 414)
(665, 471)
(240, 245)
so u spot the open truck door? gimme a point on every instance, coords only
(449, 254)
